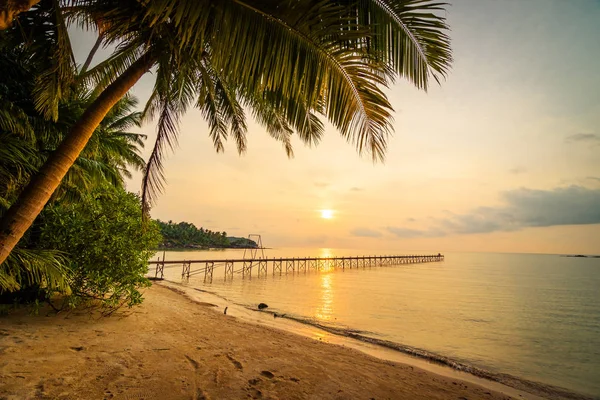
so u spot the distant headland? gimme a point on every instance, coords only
(185, 235)
(579, 256)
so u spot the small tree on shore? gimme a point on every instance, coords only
(105, 245)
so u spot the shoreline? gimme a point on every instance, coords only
(179, 345)
(506, 384)
(176, 347)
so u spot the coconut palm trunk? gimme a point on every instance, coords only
(34, 197)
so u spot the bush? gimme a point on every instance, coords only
(106, 243)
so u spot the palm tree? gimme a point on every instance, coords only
(288, 62)
(110, 154)
(26, 139)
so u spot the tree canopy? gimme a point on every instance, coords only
(291, 64)
(57, 254)
(186, 235)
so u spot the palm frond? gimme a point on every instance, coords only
(298, 49)
(208, 105)
(174, 86)
(13, 119)
(219, 105)
(102, 75)
(273, 120)
(53, 83)
(25, 267)
(410, 35)
(231, 111)
(299, 117)
(289, 61)
(128, 121)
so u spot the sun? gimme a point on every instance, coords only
(327, 214)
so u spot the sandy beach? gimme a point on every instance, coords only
(173, 347)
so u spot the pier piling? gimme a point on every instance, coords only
(292, 264)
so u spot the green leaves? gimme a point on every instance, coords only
(106, 245)
(290, 62)
(26, 139)
(26, 267)
(53, 83)
(306, 54)
(186, 235)
(410, 36)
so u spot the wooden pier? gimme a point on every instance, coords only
(245, 267)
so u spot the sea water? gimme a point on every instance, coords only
(536, 317)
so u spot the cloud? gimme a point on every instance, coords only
(583, 137)
(411, 220)
(365, 232)
(593, 178)
(524, 208)
(573, 205)
(406, 232)
(321, 184)
(356, 189)
(517, 170)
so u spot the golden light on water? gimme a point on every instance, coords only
(325, 309)
(326, 214)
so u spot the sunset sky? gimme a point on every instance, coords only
(503, 156)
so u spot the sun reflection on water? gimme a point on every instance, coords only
(324, 311)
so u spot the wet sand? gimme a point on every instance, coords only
(173, 347)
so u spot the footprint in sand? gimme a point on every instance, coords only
(200, 395)
(235, 362)
(268, 374)
(254, 382)
(254, 392)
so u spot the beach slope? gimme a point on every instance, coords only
(172, 347)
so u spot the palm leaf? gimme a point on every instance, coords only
(13, 119)
(410, 35)
(53, 83)
(299, 51)
(288, 61)
(24, 267)
(174, 88)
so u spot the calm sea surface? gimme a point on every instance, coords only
(533, 316)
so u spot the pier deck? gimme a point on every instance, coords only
(245, 266)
